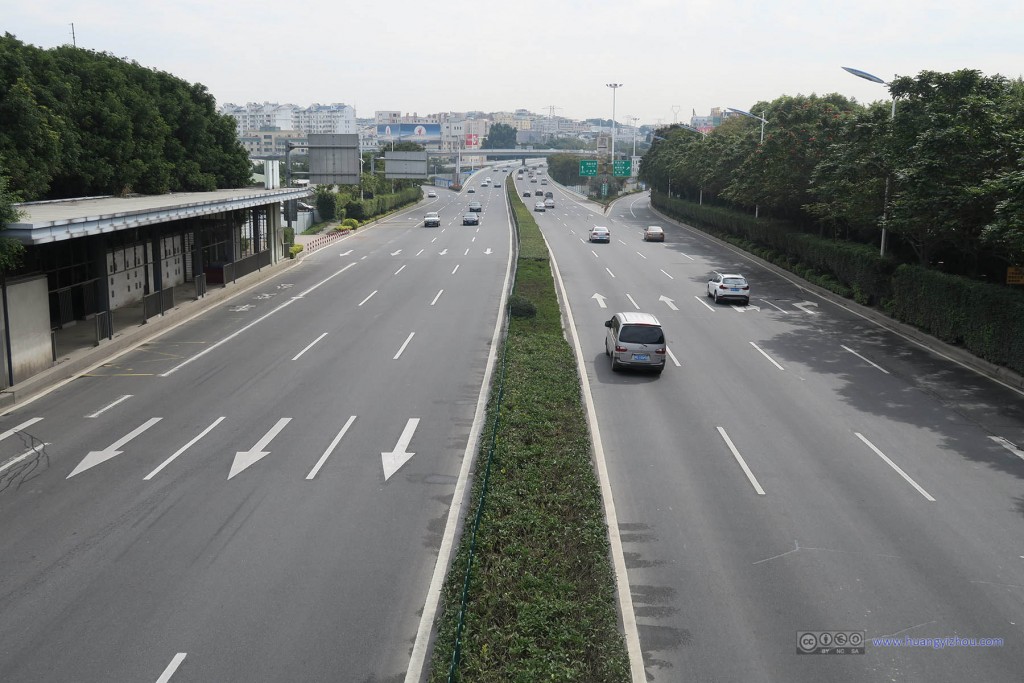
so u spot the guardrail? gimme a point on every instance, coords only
(321, 241)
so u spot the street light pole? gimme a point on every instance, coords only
(614, 87)
(892, 116)
(763, 120)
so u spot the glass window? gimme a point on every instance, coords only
(641, 334)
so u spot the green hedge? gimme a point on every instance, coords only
(541, 600)
(365, 209)
(985, 319)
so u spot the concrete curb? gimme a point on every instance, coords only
(956, 354)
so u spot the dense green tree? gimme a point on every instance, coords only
(10, 250)
(500, 136)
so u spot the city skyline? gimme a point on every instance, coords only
(672, 58)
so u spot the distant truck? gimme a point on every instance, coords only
(432, 220)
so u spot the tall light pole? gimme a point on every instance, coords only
(614, 87)
(763, 120)
(892, 116)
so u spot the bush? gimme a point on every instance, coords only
(294, 249)
(521, 307)
(350, 223)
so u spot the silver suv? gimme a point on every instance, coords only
(635, 340)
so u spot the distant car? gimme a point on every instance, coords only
(538, 193)
(543, 181)
(432, 220)
(549, 195)
(471, 219)
(475, 207)
(471, 190)
(599, 233)
(497, 184)
(527, 194)
(635, 339)
(431, 194)
(654, 233)
(533, 180)
(539, 206)
(549, 203)
(726, 286)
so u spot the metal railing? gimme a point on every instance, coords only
(157, 303)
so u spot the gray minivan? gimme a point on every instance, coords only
(635, 340)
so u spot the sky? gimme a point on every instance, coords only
(672, 57)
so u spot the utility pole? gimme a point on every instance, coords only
(74, 43)
(675, 113)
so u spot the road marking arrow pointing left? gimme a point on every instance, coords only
(245, 458)
(394, 460)
(669, 302)
(94, 458)
(396, 253)
(488, 251)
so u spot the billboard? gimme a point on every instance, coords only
(419, 133)
(334, 158)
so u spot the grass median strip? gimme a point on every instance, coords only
(540, 599)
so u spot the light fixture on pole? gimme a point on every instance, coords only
(614, 87)
(892, 116)
(763, 120)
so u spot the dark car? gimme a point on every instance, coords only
(471, 219)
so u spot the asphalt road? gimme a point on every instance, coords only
(796, 469)
(259, 494)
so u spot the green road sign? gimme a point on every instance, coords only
(622, 168)
(588, 167)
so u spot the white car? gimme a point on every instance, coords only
(432, 194)
(599, 233)
(729, 286)
(539, 206)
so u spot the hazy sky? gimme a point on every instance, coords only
(425, 57)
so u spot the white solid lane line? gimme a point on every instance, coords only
(865, 359)
(896, 467)
(171, 668)
(673, 357)
(330, 448)
(103, 410)
(184, 448)
(741, 461)
(766, 355)
(439, 292)
(406, 343)
(19, 428)
(771, 304)
(311, 344)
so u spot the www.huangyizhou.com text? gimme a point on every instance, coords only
(936, 643)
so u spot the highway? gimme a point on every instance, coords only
(795, 471)
(261, 493)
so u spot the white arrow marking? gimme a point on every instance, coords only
(32, 451)
(600, 300)
(94, 458)
(668, 302)
(241, 309)
(245, 458)
(803, 307)
(437, 297)
(330, 449)
(103, 410)
(488, 251)
(396, 253)
(394, 460)
(442, 252)
(345, 253)
(755, 308)
(19, 428)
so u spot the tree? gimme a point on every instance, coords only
(11, 251)
(500, 136)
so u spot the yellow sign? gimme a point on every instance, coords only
(1014, 275)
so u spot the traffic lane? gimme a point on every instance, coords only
(462, 356)
(968, 614)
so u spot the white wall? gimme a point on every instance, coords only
(29, 313)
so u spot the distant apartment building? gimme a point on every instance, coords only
(317, 118)
(271, 142)
(255, 116)
(326, 118)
